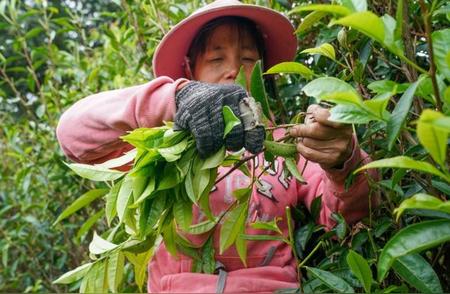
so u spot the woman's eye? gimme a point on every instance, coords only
(248, 60)
(218, 59)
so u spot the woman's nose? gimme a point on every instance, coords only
(232, 70)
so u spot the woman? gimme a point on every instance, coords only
(195, 66)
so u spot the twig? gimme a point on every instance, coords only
(432, 71)
(236, 166)
(280, 127)
(310, 254)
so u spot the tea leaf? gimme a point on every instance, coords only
(400, 113)
(95, 173)
(325, 49)
(74, 275)
(81, 202)
(423, 201)
(291, 68)
(414, 238)
(360, 268)
(332, 281)
(414, 269)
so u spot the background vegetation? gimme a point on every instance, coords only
(53, 53)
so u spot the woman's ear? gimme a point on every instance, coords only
(187, 68)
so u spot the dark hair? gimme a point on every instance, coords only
(243, 25)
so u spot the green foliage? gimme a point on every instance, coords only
(360, 59)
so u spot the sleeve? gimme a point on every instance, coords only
(353, 203)
(89, 130)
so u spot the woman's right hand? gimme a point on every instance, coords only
(199, 109)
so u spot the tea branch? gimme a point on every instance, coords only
(432, 71)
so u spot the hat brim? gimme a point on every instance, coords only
(278, 34)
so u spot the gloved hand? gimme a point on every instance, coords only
(199, 109)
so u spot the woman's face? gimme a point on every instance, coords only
(225, 53)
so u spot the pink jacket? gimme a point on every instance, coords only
(89, 132)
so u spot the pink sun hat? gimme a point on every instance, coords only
(278, 33)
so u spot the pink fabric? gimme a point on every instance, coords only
(89, 131)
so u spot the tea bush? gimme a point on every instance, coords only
(384, 64)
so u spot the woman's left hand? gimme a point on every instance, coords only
(320, 140)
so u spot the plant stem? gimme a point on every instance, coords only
(236, 166)
(280, 127)
(310, 254)
(432, 72)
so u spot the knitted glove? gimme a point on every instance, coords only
(199, 109)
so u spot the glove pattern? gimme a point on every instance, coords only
(199, 109)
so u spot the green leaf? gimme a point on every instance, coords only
(431, 137)
(400, 113)
(215, 160)
(366, 22)
(415, 270)
(95, 173)
(257, 89)
(442, 123)
(355, 5)
(334, 90)
(271, 226)
(389, 28)
(351, 114)
(182, 211)
(291, 165)
(170, 177)
(310, 20)
(168, 233)
(148, 191)
(140, 263)
(99, 245)
(243, 194)
(111, 202)
(398, 21)
(123, 197)
(89, 223)
(241, 247)
(360, 268)
(341, 226)
(188, 186)
(383, 86)
(241, 79)
(156, 210)
(404, 162)
(201, 228)
(208, 260)
(116, 265)
(200, 181)
(261, 237)
(280, 149)
(172, 137)
(81, 202)
(234, 220)
(377, 105)
(74, 275)
(33, 32)
(230, 120)
(334, 9)
(423, 201)
(441, 50)
(291, 68)
(145, 138)
(325, 49)
(173, 153)
(119, 161)
(414, 238)
(330, 280)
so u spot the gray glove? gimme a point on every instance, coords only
(199, 109)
